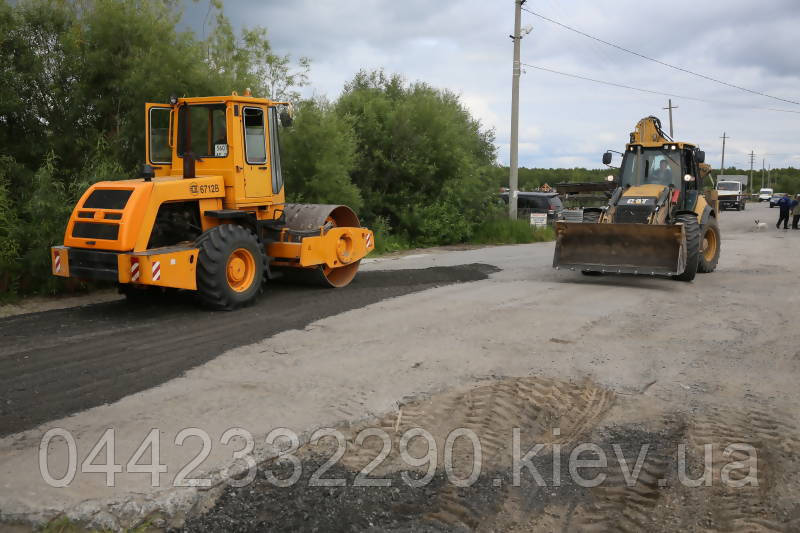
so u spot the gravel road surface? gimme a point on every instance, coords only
(490, 341)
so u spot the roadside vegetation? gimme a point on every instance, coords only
(410, 158)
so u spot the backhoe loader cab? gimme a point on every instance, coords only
(657, 222)
(209, 212)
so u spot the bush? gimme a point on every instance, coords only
(318, 153)
(385, 241)
(506, 231)
(440, 223)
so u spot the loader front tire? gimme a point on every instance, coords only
(230, 266)
(709, 246)
(692, 230)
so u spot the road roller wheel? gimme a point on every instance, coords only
(308, 217)
(230, 266)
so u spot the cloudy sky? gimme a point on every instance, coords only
(564, 122)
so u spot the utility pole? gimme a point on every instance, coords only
(515, 71)
(752, 160)
(762, 171)
(670, 107)
(722, 169)
(769, 175)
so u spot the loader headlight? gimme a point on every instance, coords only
(688, 178)
(173, 100)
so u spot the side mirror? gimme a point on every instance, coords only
(607, 158)
(701, 156)
(148, 173)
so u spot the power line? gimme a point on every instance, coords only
(681, 69)
(650, 91)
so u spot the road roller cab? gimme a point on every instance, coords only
(209, 212)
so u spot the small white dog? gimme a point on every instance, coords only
(760, 226)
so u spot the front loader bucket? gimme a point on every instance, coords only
(621, 248)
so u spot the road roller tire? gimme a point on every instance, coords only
(709, 246)
(692, 230)
(230, 267)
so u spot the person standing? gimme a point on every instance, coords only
(785, 205)
(796, 211)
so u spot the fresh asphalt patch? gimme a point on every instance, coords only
(56, 363)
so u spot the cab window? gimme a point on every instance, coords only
(202, 130)
(255, 141)
(160, 152)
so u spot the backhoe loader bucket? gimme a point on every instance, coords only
(621, 248)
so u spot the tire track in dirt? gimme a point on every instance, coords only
(774, 439)
(560, 416)
(58, 362)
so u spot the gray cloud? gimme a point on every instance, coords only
(464, 46)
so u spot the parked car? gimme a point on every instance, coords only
(776, 198)
(537, 202)
(764, 195)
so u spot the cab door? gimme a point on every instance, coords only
(158, 148)
(256, 155)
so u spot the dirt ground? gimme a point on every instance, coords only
(668, 381)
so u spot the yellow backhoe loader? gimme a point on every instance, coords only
(657, 221)
(209, 212)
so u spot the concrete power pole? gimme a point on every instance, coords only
(722, 169)
(670, 107)
(514, 160)
(762, 172)
(752, 161)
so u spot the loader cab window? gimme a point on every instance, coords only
(642, 166)
(160, 152)
(202, 130)
(255, 140)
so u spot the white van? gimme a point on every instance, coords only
(764, 195)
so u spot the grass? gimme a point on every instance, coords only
(506, 231)
(495, 231)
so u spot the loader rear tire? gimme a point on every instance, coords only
(692, 230)
(230, 267)
(709, 246)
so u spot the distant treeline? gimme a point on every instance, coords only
(531, 178)
(784, 179)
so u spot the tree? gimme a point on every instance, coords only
(422, 156)
(74, 77)
(318, 153)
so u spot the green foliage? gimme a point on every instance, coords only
(318, 153)
(386, 241)
(9, 225)
(421, 156)
(439, 223)
(531, 178)
(73, 82)
(506, 231)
